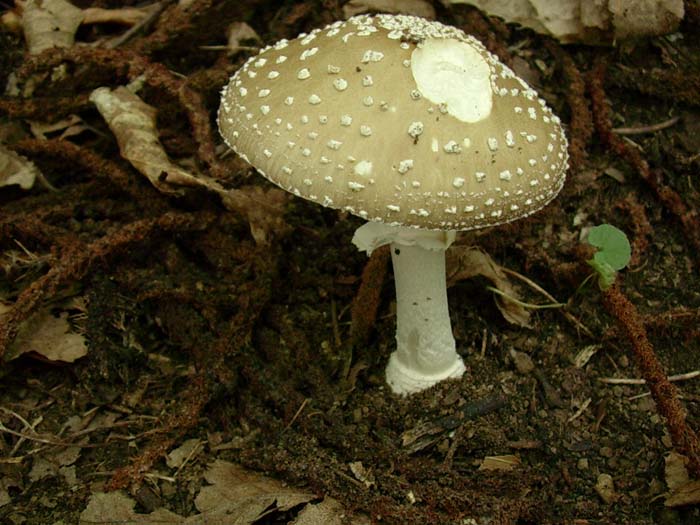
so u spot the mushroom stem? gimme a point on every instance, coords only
(425, 347)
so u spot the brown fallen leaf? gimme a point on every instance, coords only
(421, 8)
(236, 496)
(127, 16)
(605, 487)
(133, 123)
(681, 489)
(17, 170)
(240, 33)
(49, 336)
(70, 126)
(507, 462)
(49, 23)
(178, 457)
(244, 494)
(602, 21)
(117, 507)
(327, 512)
(465, 262)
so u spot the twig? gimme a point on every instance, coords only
(580, 411)
(298, 412)
(647, 129)
(531, 306)
(155, 10)
(632, 381)
(36, 439)
(569, 316)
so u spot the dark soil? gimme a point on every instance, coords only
(194, 330)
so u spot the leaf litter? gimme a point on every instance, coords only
(234, 496)
(277, 350)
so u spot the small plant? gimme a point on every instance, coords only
(613, 253)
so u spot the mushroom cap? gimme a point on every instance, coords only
(396, 119)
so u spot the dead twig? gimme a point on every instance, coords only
(634, 381)
(426, 433)
(568, 315)
(652, 128)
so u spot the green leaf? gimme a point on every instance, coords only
(613, 246)
(613, 253)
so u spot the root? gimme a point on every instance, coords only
(72, 155)
(366, 302)
(581, 123)
(125, 66)
(665, 394)
(667, 195)
(77, 260)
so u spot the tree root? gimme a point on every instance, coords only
(667, 195)
(581, 120)
(77, 260)
(665, 394)
(70, 154)
(126, 66)
(214, 368)
(366, 302)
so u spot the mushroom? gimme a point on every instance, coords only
(413, 126)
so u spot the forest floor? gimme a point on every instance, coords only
(229, 373)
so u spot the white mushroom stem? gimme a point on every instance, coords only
(425, 347)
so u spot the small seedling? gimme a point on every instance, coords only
(613, 253)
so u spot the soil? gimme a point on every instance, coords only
(196, 329)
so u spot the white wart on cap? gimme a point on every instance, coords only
(396, 119)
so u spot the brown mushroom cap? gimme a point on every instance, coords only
(396, 119)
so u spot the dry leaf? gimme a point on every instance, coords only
(605, 487)
(264, 209)
(5, 497)
(465, 262)
(42, 468)
(177, 457)
(361, 473)
(69, 455)
(681, 489)
(15, 169)
(70, 126)
(50, 23)
(638, 18)
(406, 7)
(133, 123)
(116, 507)
(236, 497)
(245, 495)
(127, 16)
(585, 354)
(508, 462)
(602, 21)
(49, 336)
(326, 512)
(522, 361)
(238, 34)
(688, 494)
(675, 471)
